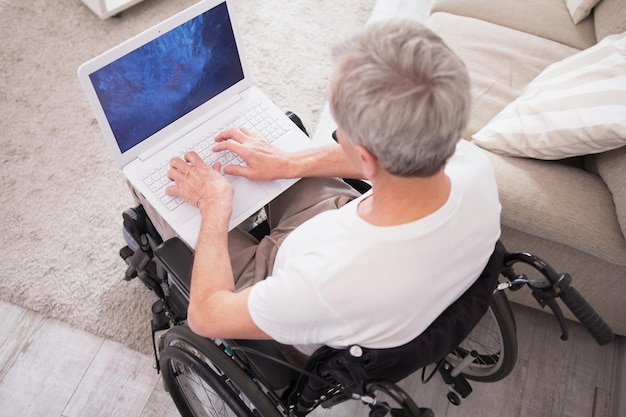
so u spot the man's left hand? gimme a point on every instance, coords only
(201, 185)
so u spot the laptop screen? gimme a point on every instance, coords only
(153, 86)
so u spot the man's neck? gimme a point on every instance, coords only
(397, 200)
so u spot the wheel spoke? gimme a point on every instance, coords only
(494, 340)
(204, 381)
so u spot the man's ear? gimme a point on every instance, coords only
(369, 162)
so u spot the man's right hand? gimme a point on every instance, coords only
(264, 161)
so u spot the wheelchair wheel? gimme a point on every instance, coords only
(205, 381)
(494, 339)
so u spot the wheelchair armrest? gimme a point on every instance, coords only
(177, 259)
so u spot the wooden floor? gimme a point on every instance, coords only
(48, 368)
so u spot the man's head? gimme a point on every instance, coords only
(401, 93)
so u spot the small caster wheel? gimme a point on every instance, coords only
(453, 398)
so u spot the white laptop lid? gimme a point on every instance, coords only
(139, 110)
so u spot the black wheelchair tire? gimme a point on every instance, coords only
(189, 361)
(495, 341)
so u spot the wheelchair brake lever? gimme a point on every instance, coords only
(550, 301)
(136, 263)
(139, 260)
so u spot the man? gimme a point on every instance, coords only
(338, 268)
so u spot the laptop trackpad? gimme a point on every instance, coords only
(247, 195)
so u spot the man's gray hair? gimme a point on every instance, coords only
(400, 92)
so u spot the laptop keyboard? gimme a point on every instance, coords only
(257, 119)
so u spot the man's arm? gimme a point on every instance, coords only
(265, 162)
(215, 309)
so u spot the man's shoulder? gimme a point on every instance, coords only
(470, 158)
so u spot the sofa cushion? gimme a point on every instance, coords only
(609, 18)
(499, 70)
(548, 19)
(610, 167)
(574, 107)
(561, 203)
(580, 9)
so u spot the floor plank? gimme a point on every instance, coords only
(16, 328)
(563, 375)
(47, 370)
(618, 387)
(160, 403)
(119, 382)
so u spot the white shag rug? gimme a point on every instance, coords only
(62, 196)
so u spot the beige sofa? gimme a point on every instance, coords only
(570, 211)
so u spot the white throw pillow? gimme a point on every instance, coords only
(574, 107)
(579, 9)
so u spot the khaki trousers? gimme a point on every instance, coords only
(253, 260)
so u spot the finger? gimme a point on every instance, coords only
(234, 134)
(178, 163)
(237, 170)
(230, 145)
(173, 190)
(194, 159)
(238, 134)
(175, 174)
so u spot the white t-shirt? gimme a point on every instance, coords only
(339, 280)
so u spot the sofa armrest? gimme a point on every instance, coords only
(559, 202)
(609, 18)
(548, 19)
(610, 167)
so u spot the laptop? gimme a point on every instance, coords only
(171, 89)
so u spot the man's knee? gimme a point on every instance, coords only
(307, 198)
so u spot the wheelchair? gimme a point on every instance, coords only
(473, 339)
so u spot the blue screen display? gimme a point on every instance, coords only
(156, 84)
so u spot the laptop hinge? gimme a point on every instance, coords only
(215, 110)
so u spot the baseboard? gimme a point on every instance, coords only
(618, 396)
